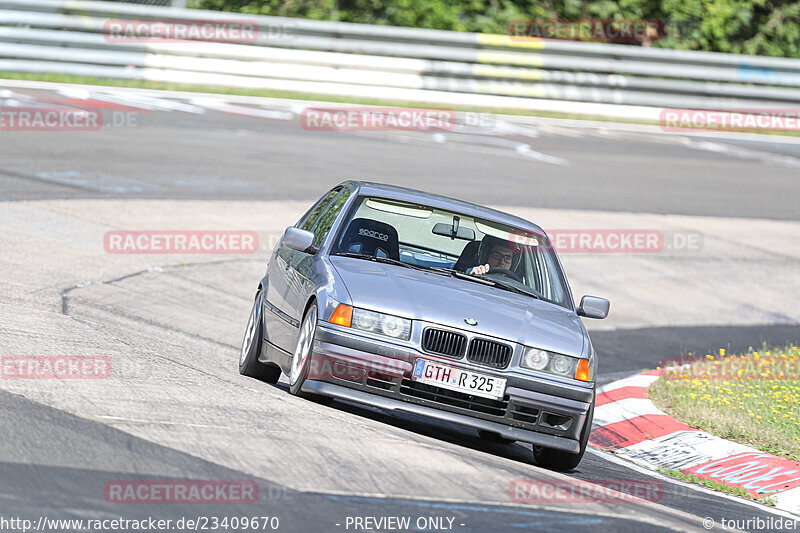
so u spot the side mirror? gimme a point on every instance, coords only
(593, 307)
(299, 239)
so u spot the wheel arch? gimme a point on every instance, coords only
(312, 300)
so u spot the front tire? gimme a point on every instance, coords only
(249, 365)
(563, 461)
(302, 353)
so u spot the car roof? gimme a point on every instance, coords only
(370, 188)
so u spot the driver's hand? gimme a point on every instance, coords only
(480, 269)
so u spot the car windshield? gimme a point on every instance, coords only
(422, 236)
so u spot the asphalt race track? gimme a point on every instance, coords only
(175, 407)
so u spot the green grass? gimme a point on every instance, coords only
(715, 485)
(753, 399)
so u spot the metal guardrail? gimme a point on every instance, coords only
(382, 62)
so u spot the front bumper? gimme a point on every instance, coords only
(368, 371)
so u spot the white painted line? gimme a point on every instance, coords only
(142, 101)
(743, 153)
(651, 129)
(221, 105)
(516, 119)
(681, 450)
(624, 410)
(677, 451)
(525, 150)
(430, 97)
(789, 500)
(639, 380)
(687, 486)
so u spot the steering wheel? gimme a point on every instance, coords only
(505, 272)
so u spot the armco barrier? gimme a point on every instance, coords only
(382, 62)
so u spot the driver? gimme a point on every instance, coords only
(496, 252)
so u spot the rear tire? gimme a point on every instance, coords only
(563, 461)
(249, 365)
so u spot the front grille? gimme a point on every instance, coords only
(453, 398)
(489, 353)
(443, 342)
(384, 384)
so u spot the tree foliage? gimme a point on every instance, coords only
(761, 27)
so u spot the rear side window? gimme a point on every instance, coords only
(326, 220)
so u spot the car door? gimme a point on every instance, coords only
(280, 322)
(300, 275)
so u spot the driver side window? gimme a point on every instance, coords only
(327, 218)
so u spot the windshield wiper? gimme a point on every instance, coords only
(490, 282)
(387, 260)
(463, 275)
(514, 288)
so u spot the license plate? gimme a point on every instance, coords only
(457, 379)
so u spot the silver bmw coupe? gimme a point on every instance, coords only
(414, 302)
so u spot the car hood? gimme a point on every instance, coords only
(449, 301)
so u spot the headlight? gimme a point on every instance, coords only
(389, 325)
(394, 326)
(535, 359)
(366, 320)
(553, 363)
(562, 365)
